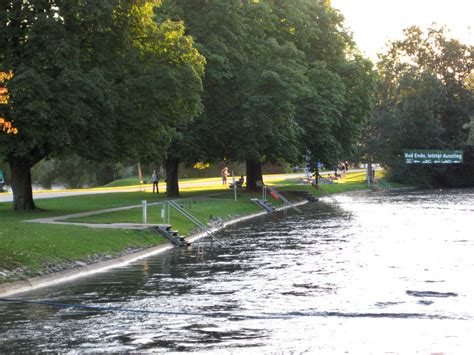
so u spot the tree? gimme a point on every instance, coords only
(282, 76)
(95, 78)
(340, 82)
(424, 101)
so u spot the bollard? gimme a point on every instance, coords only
(144, 211)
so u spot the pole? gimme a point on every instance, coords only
(369, 172)
(235, 187)
(144, 211)
(140, 175)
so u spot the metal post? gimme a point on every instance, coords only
(369, 173)
(235, 187)
(144, 205)
(163, 213)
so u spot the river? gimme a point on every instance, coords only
(364, 273)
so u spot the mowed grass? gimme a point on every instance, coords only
(134, 181)
(205, 209)
(31, 246)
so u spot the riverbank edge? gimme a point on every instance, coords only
(26, 285)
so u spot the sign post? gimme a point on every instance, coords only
(2, 181)
(307, 168)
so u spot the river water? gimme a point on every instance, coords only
(367, 273)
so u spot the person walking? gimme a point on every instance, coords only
(224, 174)
(154, 180)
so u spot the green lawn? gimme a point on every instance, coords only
(135, 181)
(223, 207)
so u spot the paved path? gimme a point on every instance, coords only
(61, 219)
(8, 196)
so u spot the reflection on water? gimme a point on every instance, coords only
(374, 273)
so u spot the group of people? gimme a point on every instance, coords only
(343, 167)
(225, 173)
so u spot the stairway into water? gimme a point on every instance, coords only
(172, 235)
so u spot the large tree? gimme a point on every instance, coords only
(340, 82)
(97, 78)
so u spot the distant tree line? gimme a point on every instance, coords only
(424, 100)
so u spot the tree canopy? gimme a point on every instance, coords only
(282, 77)
(98, 78)
(424, 101)
(179, 81)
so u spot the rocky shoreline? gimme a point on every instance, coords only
(23, 273)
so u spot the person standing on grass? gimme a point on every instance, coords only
(224, 174)
(154, 180)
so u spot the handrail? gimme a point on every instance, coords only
(328, 194)
(194, 220)
(283, 198)
(383, 184)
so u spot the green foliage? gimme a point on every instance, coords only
(424, 101)
(75, 172)
(122, 80)
(281, 78)
(92, 76)
(320, 113)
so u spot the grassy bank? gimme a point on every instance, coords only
(31, 248)
(206, 209)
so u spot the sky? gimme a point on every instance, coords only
(374, 22)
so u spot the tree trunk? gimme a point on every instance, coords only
(21, 185)
(105, 174)
(254, 175)
(172, 187)
(370, 172)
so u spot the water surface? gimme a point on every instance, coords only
(372, 273)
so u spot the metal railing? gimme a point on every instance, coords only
(383, 184)
(194, 220)
(286, 202)
(327, 193)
